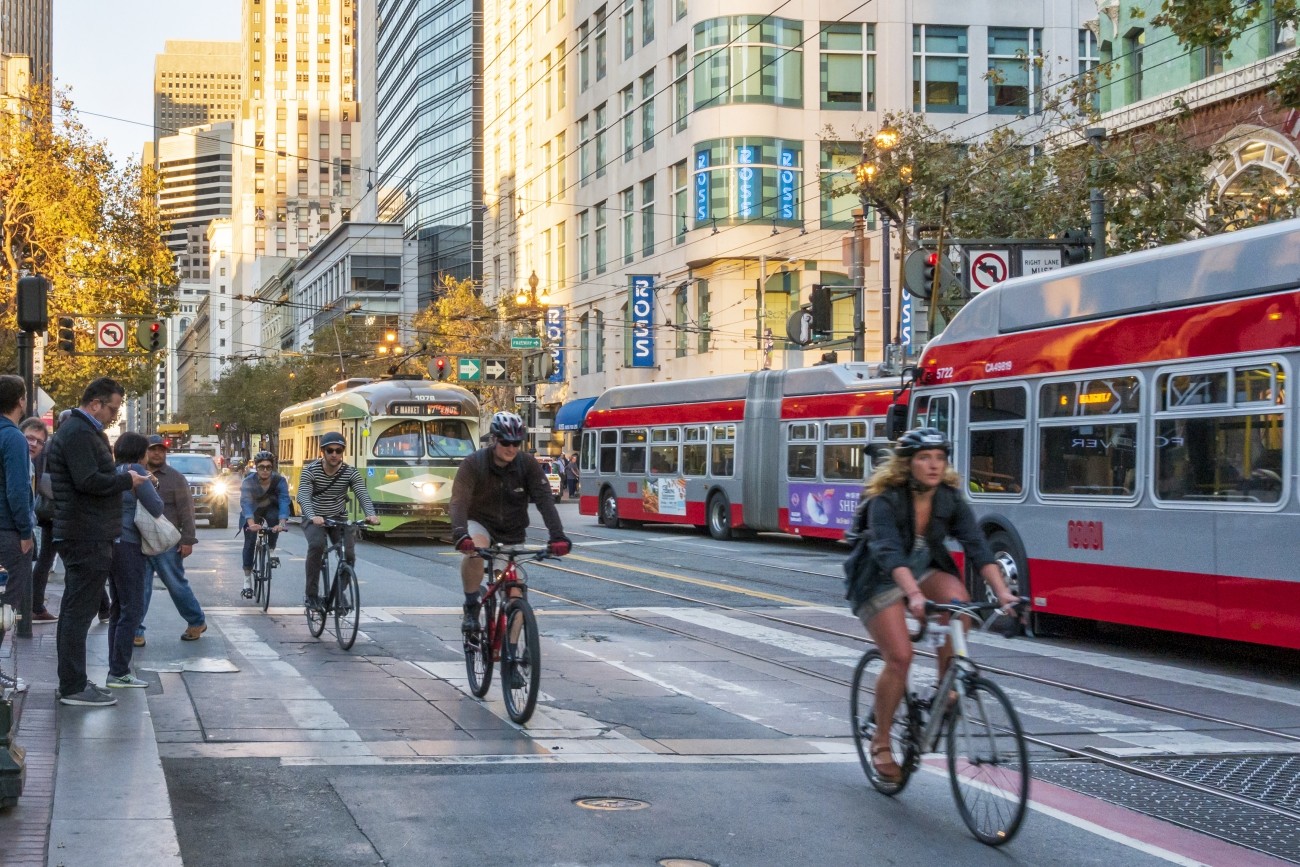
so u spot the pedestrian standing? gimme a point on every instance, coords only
(571, 475)
(37, 434)
(16, 520)
(127, 571)
(87, 518)
(178, 507)
(560, 466)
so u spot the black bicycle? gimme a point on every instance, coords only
(342, 597)
(507, 630)
(264, 563)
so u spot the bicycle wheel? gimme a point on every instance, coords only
(316, 616)
(862, 713)
(521, 660)
(478, 650)
(347, 606)
(261, 575)
(988, 763)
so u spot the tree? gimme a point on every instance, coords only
(93, 229)
(459, 323)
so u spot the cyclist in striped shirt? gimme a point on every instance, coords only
(322, 493)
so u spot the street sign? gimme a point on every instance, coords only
(799, 327)
(988, 268)
(525, 398)
(38, 354)
(1038, 261)
(469, 369)
(525, 343)
(110, 334)
(494, 369)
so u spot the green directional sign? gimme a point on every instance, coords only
(469, 369)
(525, 343)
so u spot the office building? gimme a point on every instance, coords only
(195, 83)
(195, 169)
(26, 27)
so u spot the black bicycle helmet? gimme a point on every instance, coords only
(508, 427)
(921, 439)
(333, 438)
(263, 456)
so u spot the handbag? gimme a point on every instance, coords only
(157, 534)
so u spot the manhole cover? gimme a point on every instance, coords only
(611, 804)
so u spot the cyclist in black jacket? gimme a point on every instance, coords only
(489, 503)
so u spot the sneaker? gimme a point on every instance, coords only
(126, 681)
(470, 623)
(192, 633)
(274, 562)
(44, 617)
(247, 593)
(313, 603)
(88, 697)
(17, 684)
(139, 641)
(97, 688)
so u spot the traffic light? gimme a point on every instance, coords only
(33, 308)
(440, 367)
(216, 425)
(67, 335)
(167, 442)
(821, 311)
(1076, 247)
(151, 334)
(927, 273)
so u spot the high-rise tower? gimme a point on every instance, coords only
(196, 83)
(26, 27)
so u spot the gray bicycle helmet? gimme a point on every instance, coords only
(508, 427)
(263, 456)
(920, 439)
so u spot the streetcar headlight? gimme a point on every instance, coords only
(427, 489)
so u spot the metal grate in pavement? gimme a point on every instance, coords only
(1267, 778)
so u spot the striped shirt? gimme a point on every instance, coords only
(327, 496)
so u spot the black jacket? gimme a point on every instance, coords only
(498, 497)
(87, 488)
(891, 529)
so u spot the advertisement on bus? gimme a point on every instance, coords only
(817, 504)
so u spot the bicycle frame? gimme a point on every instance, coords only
(960, 669)
(506, 581)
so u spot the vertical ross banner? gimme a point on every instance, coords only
(785, 185)
(643, 320)
(555, 339)
(702, 191)
(746, 181)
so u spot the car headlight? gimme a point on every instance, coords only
(219, 488)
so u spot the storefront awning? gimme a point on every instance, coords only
(571, 415)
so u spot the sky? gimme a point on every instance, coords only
(104, 50)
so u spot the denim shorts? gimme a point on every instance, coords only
(886, 591)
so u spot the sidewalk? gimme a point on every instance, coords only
(93, 774)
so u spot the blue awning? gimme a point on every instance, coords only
(571, 415)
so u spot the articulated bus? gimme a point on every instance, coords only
(1127, 436)
(772, 450)
(406, 436)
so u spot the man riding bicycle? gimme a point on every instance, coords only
(322, 495)
(489, 503)
(263, 502)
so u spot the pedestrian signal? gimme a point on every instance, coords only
(822, 311)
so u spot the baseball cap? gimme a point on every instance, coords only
(157, 440)
(333, 438)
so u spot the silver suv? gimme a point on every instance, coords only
(207, 486)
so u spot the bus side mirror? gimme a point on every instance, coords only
(895, 421)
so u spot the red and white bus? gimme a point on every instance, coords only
(1127, 436)
(773, 450)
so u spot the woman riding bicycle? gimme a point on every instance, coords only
(263, 502)
(916, 488)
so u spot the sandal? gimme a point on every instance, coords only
(889, 771)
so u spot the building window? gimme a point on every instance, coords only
(602, 246)
(584, 344)
(584, 57)
(681, 200)
(561, 80)
(679, 318)
(1015, 67)
(648, 216)
(602, 152)
(628, 219)
(1134, 45)
(561, 176)
(648, 110)
(647, 21)
(838, 183)
(627, 334)
(584, 149)
(747, 179)
(1089, 60)
(561, 255)
(584, 244)
(702, 315)
(1283, 33)
(629, 30)
(681, 105)
(601, 63)
(628, 97)
(939, 68)
(729, 52)
(600, 341)
(848, 67)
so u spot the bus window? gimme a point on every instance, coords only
(1090, 397)
(934, 411)
(402, 440)
(448, 438)
(1259, 385)
(631, 453)
(842, 455)
(587, 460)
(997, 440)
(663, 452)
(609, 451)
(695, 451)
(722, 458)
(801, 452)
(1193, 390)
(1096, 460)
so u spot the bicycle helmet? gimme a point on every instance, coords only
(333, 438)
(508, 427)
(921, 439)
(263, 456)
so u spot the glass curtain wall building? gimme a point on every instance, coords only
(428, 119)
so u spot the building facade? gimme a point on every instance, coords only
(195, 187)
(667, 169)
(27, 27)
(195, 83)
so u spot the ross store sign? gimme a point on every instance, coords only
(702, 191)
(785, 186)
(555, 342)
(746, 181)
(643, 320)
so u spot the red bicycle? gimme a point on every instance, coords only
(506, 631)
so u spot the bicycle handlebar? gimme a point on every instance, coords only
(965, 609)
(494, 552)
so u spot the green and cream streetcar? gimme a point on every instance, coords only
(406, 436)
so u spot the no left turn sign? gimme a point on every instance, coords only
(988, 268)
(110, 335)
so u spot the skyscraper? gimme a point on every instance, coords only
(194, 188)
(195, 83)
(26, 28)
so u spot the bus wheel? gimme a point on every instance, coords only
(719, 516)
(1006, 551)
(609, 509)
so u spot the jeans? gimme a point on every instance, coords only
(316, 543)
(573, 487)
(170, 567)
(41, 571)
(19, 566)
(127, 578)
(250, 539)
(87, 565)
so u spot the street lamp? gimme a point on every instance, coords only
(533, 302)
(870, 177)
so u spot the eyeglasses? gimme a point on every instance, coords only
(266, 466)
(332, 451)
(35, 438)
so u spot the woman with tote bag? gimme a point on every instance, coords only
(127, 571)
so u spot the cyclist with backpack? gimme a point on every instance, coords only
(263, 502)
(322, 493)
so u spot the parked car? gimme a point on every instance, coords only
(208, 487)
(557, 483)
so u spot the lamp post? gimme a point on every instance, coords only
(870, 192)
(533, 303)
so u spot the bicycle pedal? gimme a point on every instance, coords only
(275, 562)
